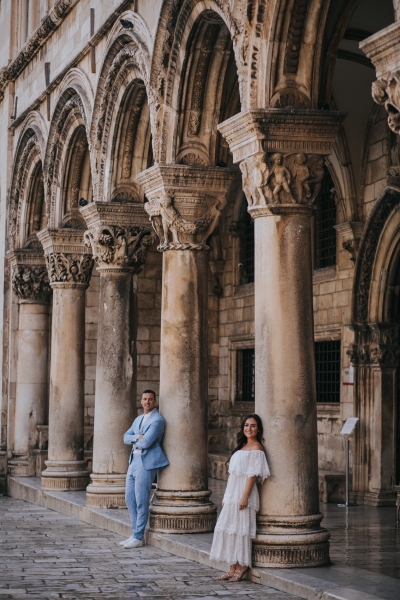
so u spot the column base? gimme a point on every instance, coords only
(182, 512)
(65, 475)
(291, 542)
(106, 491)
(22, 465)
(380, 498)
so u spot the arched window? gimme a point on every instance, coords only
(325, 221)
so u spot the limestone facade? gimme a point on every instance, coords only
(201, 197)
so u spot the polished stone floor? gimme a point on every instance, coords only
(47, 555)
(361, 536)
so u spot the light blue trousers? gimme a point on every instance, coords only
(137, 494)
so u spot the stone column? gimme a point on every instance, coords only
(119, 235)
(280, 153)
(31, 285)
(69, 264)
(375, 357)
(184, 204)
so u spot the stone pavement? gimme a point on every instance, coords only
(46, 555)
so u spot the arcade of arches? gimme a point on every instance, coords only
(203, 197)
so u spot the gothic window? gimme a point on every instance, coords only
(327, 368)
(245, 375)
(325, 221)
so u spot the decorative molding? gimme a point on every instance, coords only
(185, 203)
(200, 78)
(294, 40)
(299, 555)
(182, 523)
(352, 231)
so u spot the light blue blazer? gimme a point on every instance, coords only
(153, 430)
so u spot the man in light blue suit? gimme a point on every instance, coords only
(146, 458)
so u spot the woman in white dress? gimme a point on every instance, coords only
(236, 526)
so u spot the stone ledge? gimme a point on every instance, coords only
(310, 584)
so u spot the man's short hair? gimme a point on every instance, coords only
(150, 392)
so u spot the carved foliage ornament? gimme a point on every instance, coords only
(121, 247)
(69, 268)
(184, 223)
(379, 346)
(387, 92)
(282, 179)
(31, 283)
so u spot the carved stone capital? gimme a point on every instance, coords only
(119, 235)
(68, 260)
(281, 152)
(382, 49)
(185, 203)
(29, 276)
(376, 344)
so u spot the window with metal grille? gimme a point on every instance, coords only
(325, 221)
(327, 367)
(247, 250)
(245, 375)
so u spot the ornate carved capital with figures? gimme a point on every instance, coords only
(281, 153)
(185, 203)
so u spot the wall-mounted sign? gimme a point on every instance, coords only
(348, 376)
(349, 426)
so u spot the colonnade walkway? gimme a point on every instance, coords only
(365, 545)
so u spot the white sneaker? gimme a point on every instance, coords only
(134, 543)
(125, 541)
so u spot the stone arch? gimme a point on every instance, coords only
(372, 254)
(27, 166)
(171, 62)
(123, 88)
(69, 126)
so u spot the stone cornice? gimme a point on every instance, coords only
(115, 213)
(281, 130)
(353, 229)
(26, 257)
(281, 210)
(36, 41)
(63, 241)
(185, 177)
(382, 49)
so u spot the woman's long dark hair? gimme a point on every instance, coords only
(242, 439)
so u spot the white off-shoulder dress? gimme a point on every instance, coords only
(236, 528)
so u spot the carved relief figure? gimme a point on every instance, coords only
(301, 175)
(280, 178)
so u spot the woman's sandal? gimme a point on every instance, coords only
(224, 577)
(238, 575)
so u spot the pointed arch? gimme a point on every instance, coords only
(69, 126)
(121, 117)
(26, 193)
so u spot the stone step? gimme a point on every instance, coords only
(311, 584)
